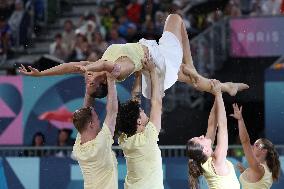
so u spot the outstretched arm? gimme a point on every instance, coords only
(212, 125)
(245, 140)
(136, 90)
(100, 65)
(119, 70)
(156, 98)
(65, 68)
(220, 152)
(112, 104)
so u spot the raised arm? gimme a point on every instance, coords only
(88, 99)
(112, 104)
(212, 125)
(245, 140)
(136, 90)
(220, 152)
(65, 68)
(156, 98)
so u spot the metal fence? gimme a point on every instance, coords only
(166, 151)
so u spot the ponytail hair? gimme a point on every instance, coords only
(196, 158)
(272, 158)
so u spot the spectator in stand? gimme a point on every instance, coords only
(98, 43)
(6, 8)
(148, 28)
(133, 11)
(38, 141)
(149, 9)
(107, 19)
(271, 7)
(5, 39)
(246, 6)
(69, 35)
(160, 18)
(118, 9)
(282, 7)
(233, 9)
(214, 17)
(256, 8)
(90, 28)
(94, 56)
(124, 24)
(92, 17)
(81, 49)
(176, 8)
(19, 23)
(132, 35)
(58, 48)
(115, 38)
(236, 11)
(64, 139)
(39, 11)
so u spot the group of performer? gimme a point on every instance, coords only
(157, 66)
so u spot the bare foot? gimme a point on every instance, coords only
(234, 88)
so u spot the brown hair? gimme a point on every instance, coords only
(197, 157)
(81, 117)
(126, 121)
(272, 158)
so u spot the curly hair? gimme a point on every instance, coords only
(101, 91)
(127, 117)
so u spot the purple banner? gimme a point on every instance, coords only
(257, 37)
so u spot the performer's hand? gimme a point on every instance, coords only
(237, 112)
(137, 74)
(80, 68)
(240, 167)
(148, 63)
(31, 72)
(216, 87)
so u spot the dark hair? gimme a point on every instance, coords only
(196, 158)
(58, 35)
(126, 121)
(101, 91)
(81, 117)
(2, 19)
(68, 131)
(38, 134)
(272, 158)
(68, 21)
